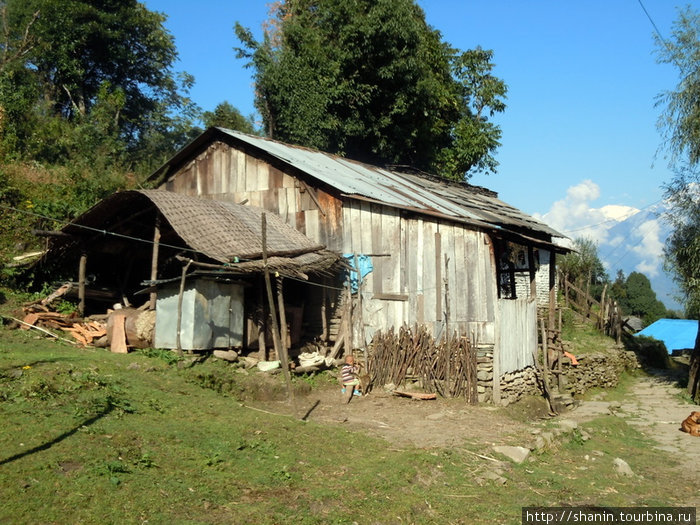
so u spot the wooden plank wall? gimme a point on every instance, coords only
(408, 252)
(227, 174)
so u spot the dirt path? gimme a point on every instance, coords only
(653, 405)
(403, 421)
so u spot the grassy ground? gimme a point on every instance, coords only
(94, 437)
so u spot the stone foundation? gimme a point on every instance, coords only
(593, 371)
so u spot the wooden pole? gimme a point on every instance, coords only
(348, 320)
(154, 262)
(533, 273)
(438, 275)
(284, 330)
(81, 283)
(545, 369)
(447, 326)
(363, 344)
(560, 355)
(324, 312)
(261, 323)
(178, 342)
(552, 293)
(273, 312)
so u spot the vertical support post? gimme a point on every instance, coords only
(273, 313)
(560, 355)
(448, 353)
(82, 267)
(533, 273)
(261, 323)
(324, 312)
(349, 324)
(154, 262)
(363, 343)
(438, 275)
(284, 330)
(552, 294)
(178, 342)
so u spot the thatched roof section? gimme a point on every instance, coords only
(225, 233)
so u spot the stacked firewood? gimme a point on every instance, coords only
(446, 367)
(84, 332)
(38, 314)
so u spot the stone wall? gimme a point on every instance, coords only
(593, 370)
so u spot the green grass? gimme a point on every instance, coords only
(94, 437)
(585, 337)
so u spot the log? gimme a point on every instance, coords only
(118, 344)
(415, 395)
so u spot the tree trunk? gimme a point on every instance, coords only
(694, 372)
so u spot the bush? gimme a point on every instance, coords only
(652, 352)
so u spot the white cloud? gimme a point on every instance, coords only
(637, 247)
(649, 248)
(574, 217)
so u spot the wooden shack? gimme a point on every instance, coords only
(199, 263)
(447, 255)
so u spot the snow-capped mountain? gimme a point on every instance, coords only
(634, 242)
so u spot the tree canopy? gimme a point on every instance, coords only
(680, 123)
(78, 76)
(370, 79)
(640, 300)
(225, 115)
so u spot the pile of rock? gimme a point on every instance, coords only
(593, 371)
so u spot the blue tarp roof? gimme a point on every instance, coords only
(676, 334)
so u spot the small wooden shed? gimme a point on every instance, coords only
(447, 255)
(198, 262)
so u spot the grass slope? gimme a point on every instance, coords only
(94, 437)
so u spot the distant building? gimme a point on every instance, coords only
(676, 334)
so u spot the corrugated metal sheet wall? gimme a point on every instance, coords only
(517, 334)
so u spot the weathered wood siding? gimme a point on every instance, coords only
(418, 261)
(517, 334)
(224, 173)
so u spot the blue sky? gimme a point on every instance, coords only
(582, 79)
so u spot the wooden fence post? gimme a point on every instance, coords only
(273, 313)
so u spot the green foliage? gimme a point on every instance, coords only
(681, 124)
(90, 84)
(226, 115)
(680, 120)
(651, 351)
(640, 300)
(583, 266)
(373, 81)
(168, 356)
(216, 461)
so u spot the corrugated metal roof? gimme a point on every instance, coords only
(427, 194)
(402, 190)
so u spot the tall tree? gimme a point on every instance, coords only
(640, 300)
(73, 56)
(583, 265)
(370, 79)
(680, 124)
(226, 115)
